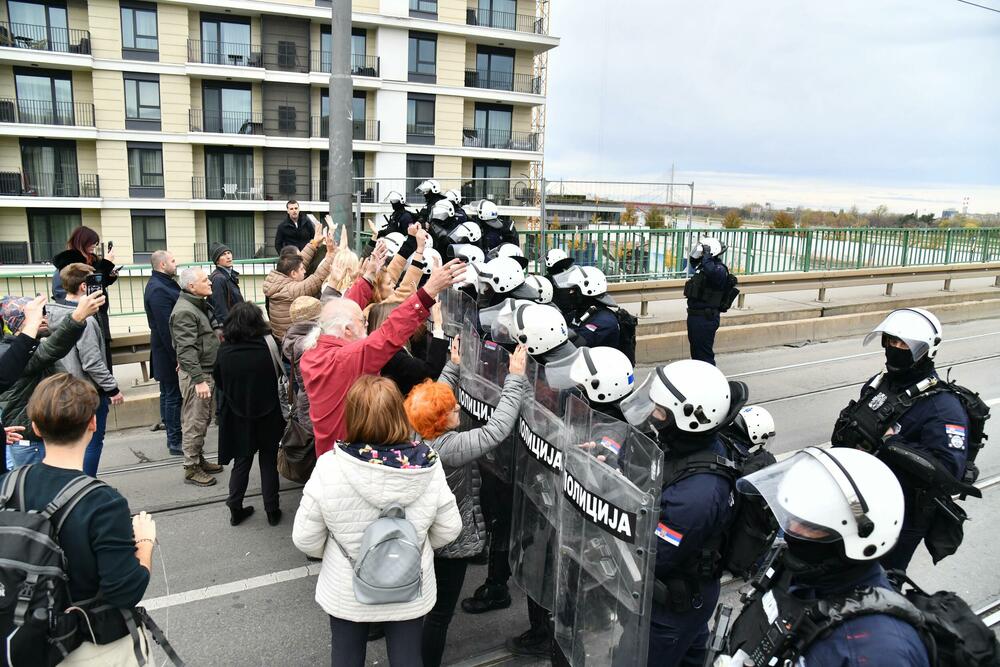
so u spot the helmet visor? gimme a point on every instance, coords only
(558, 374)
(909, 326)
(499, 321)
(639, 405)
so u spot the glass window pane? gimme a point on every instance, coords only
(411, 112)
(427, 49)
(131, 99)
(145, 23)
(64, 91)
(358, 108)
(33, 87)
(236, 35)
(235, 100)
(128, 28)
(357, 45)
(26, 13)
(57, 20)
(413, 55)
(149, 93)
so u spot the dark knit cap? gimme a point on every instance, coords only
(217, 250)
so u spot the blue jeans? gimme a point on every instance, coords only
(92, 457)
(170, 411)
(25, 452)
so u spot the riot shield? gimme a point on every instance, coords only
(457, 308)
(538, 446)
(608, 513)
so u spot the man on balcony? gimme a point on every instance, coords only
(294, 230)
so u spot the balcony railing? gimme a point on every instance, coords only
(241, 188)
(45, 112)
(420, 129)
(505, 20)
(241, 250)
(501, 139)
(235, 54)
(517, 83)
(363, 130)
(50, 184)
(361, 65)
(497, 191)
(226, 122)
(367, 187)
(44, 38)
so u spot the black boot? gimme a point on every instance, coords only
(488, 597)
(238, 514)
(273, 517)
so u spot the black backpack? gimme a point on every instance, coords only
(627, 325)
(34, 594)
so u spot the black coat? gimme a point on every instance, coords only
(290, 234)
(250, 415)
(159, 299)
(102, 266)
(407, 371)
(225, 292)
(13, 358)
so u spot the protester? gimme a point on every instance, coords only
(340, 350)
(44, 362)
(434, 412)
(406, 368)
(159, 299)
(196, 344)
(378, 466)
(294, 230)
(344, 270)
(250, 416)
(288, 281)
(15, 351)
(225, 282)
(107, 554)
(82, 246)
(305, 312)
(87, 358)
(388, 287)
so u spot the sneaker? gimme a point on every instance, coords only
(195, 475)
(211, 468)
(237, 514)
(488, 597)
(530, 643)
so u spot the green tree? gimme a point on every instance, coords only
(628, 217)
(655, 218)
(555, 222)
(783, 220)
(732, 219)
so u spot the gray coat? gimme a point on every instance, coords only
(88, 359)
(460, 449)
(292, 347)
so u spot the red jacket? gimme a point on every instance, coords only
(330, 368)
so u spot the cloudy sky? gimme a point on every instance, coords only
(793, 102)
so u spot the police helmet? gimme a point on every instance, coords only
(604, 373)
(432, 260)
(715, 247)
(696, 394)
(591, 282)
(393, 242)
(430, 186)
(488, 212)
(540, 288)
(502, 275)
(509, 250)
(442, 210)
(454, 197)
(824, 495)
(554, 257)
(466, 232)
(756, 423)
(920, 329)
(499, 319)
(539, 328)
(395, 197)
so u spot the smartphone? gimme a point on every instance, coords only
(118, 268)
(94, 283)
(111, 246)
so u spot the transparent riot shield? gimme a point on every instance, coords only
(457, 308)
(608, 513)
(538, 446)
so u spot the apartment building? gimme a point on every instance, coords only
(183, 122)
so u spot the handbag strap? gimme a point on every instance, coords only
(279, 368)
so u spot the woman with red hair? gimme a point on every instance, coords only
(434, 413)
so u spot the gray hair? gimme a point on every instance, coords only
(157, 259)
(337, 314)
(189, 275)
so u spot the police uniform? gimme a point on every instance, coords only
(599, 328)
(703, 307)
(493, 237)
(399, 221)
(694, 511)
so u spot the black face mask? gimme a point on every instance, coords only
(812, 552)
(398, 206)
(897, 359)
(566, 300)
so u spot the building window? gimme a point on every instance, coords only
(497, 14)
(149, 234)
(145, 170)
(492, 128)
(49, 168)
(44, 97)
(418, 169)
(234, 230)
(48, 231)
(226, 41)
(228, 109)
(492, 181)
(419, 119)
(424, 9)
(142, 101)
(494, 68)
(360, 66)
(33, 24)
(423, 57)
(229, 174)
(139, 34)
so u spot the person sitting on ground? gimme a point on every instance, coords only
(87, 358)
(108, 553)
(288, 281)
(378, 465)
(405, 368)
(432, 409)
(250, 415)
(305, 312)
(23, 316)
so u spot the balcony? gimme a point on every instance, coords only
(420, 133)
(367, 187)
(237, 188)
(240, 249)
(505, 21)
(361, 65)
(44, 38)
(45, 112)
(226, 122)
(15, 184)
(363, 130)
(516, 83)
(500, 139)
(500, 191)
(233, 54)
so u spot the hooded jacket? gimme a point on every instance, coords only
(281, 290)
(87, 358)
(346, 493)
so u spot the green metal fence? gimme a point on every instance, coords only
(644, 254)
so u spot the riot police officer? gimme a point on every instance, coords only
(918, 425)
(496, 230)
(401, 218)
(683, 405)
(582, 294)
(841, 511)
(706, 292)
(455, 197)
(752, 428)
(604, 374)
(556, 262)
(431, 190)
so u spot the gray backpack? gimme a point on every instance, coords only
(388, 568)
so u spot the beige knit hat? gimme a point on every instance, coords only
(305, 309)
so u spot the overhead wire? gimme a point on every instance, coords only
(990, 9)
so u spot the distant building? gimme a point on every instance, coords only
(949, 213)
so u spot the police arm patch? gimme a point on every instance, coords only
(956, 435)
(668, 534)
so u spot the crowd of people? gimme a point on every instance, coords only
(358, 371)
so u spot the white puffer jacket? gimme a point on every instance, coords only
(343, 496)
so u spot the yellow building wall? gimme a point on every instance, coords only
(105, 28)
(175, 103)
(521, 120)
(451, 11)
(451, 60)
(196, 100)
(109, 99)
(198, 160)
(116, 225)
(448, 120)
(172, 25)
(178, 168)
(76, 15)
(112, 164)
(83, 87)
(366, 6)
(256, 98)
(91, 217)
(447, 168)
(7, 87)
(182, 234)
(10, 154)
(13, 224)
(86, 158)
(523, 62)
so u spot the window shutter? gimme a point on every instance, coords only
(286, 181)
(286, 55)
(286, 119)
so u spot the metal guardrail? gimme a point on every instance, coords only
(499, 139)
(226, 122)
(505, 20)
(518, 83)
(44, 38)
(236, 54)
(46, 112)
(361, 64)
(363, 130)
(227, 188)
(32, 184)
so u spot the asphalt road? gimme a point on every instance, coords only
(244, 596)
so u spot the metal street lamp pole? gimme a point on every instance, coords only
(340, 186)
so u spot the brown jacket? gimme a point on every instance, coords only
(281, 290)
